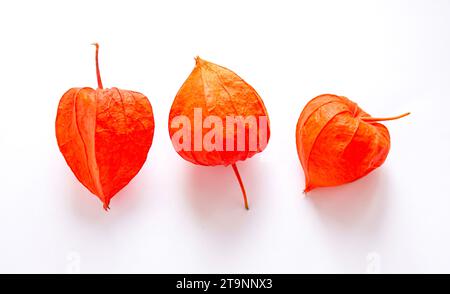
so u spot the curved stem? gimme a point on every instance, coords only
(369, 119)
(238, 176)
(99, 79)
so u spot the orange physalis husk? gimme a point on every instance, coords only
(104, 135)
(337, 142)
(217, 91)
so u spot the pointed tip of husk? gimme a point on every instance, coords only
(199, 61)
(308, 188)
(106, 205)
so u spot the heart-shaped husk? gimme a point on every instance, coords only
(104, 135)
(216, 91)
(337, 142)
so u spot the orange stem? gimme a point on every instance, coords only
(369, 119)
(238, 176)
(99, 79)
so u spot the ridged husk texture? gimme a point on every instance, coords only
(217, 91)
(336, 144)
(104, 135)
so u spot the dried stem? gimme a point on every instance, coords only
(238, 176)
(369, 119)
(99, 79)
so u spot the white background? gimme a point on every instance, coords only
(388, 56)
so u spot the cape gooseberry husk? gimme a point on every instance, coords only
(338, 142)
(104, 135)
(217, 91)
